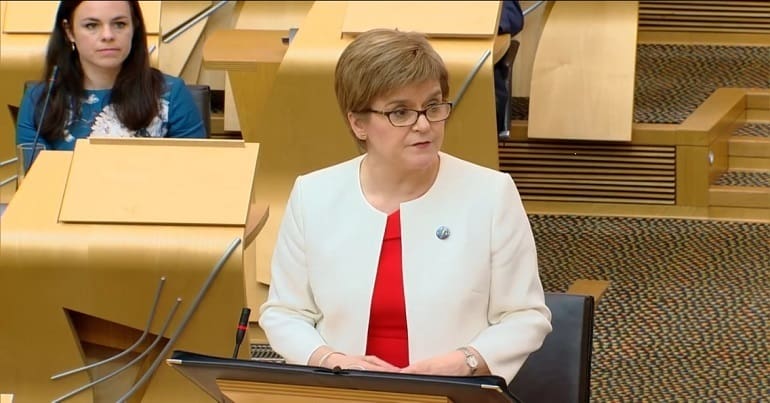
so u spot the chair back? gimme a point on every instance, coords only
(560, 372)
(201, 94)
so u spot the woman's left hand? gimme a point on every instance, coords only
(452, 364)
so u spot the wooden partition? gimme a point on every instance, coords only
(85, 243)
(285, 99)
(584, 71)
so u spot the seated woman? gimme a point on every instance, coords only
(105, 85)
(404, 258)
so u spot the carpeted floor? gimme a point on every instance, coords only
(687, 314)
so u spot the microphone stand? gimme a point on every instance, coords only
(54, 73)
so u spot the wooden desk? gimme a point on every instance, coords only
(251, 59)
(501, 45)
(91, 280)
(244, 49)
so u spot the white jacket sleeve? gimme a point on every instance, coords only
(517, 312)
(290, 314)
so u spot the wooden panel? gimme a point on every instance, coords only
(740, 196)
(125, 171)
(749, 146)
(603, 172)
(175, 55)
(529, 39)
(739, 214)
(584, 72)
(247, 391)
(758, 99)
(705, 16)
(703, 38)
(586, 207)
(37, 17)
(693, 169)
(750, 163)
(244, 49)
(452, 19)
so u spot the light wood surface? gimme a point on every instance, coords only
(452, 19)
(501, 45)
(739, 196)
(529, 41)
(244, 49)
(179, 56)
(37, 17)
(251, 58)
(56, 272)
(125, 164)
(246, 391)
(584, 72)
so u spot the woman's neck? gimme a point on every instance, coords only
(99, 79)
(386, 188)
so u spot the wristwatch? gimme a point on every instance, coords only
(470, 359)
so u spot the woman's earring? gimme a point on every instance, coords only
(363, 136)
(73, 45)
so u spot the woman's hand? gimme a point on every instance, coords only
(451, 364)
(326, 357)
(360, 362)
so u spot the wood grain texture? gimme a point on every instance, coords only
(584, 72)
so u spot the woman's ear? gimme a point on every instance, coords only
(67, 27)
(357, 124)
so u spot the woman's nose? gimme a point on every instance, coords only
(422, 122)
(107, 33)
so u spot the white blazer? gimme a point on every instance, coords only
(478, 287)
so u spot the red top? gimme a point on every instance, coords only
(387, 337)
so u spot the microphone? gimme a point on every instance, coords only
(54, 73)
(243, 324)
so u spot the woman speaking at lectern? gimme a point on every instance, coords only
(405, 258)
(99, 82)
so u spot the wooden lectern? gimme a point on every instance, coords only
(284, 94)
(87, 238)
(242, 381)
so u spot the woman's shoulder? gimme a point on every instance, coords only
(34, 89)
(172, 83)
(459, 168)
(332, 175)
(336, 170)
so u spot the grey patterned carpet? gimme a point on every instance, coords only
(673, 80)
(687, 314)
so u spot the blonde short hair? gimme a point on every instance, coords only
(379, 61)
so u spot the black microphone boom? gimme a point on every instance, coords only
(54, 73)
(243, 325)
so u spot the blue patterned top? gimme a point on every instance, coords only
(178, 117)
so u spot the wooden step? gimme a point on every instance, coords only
(749, 148)
(740, 196)
(741, 189)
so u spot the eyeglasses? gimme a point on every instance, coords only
(407, 117)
